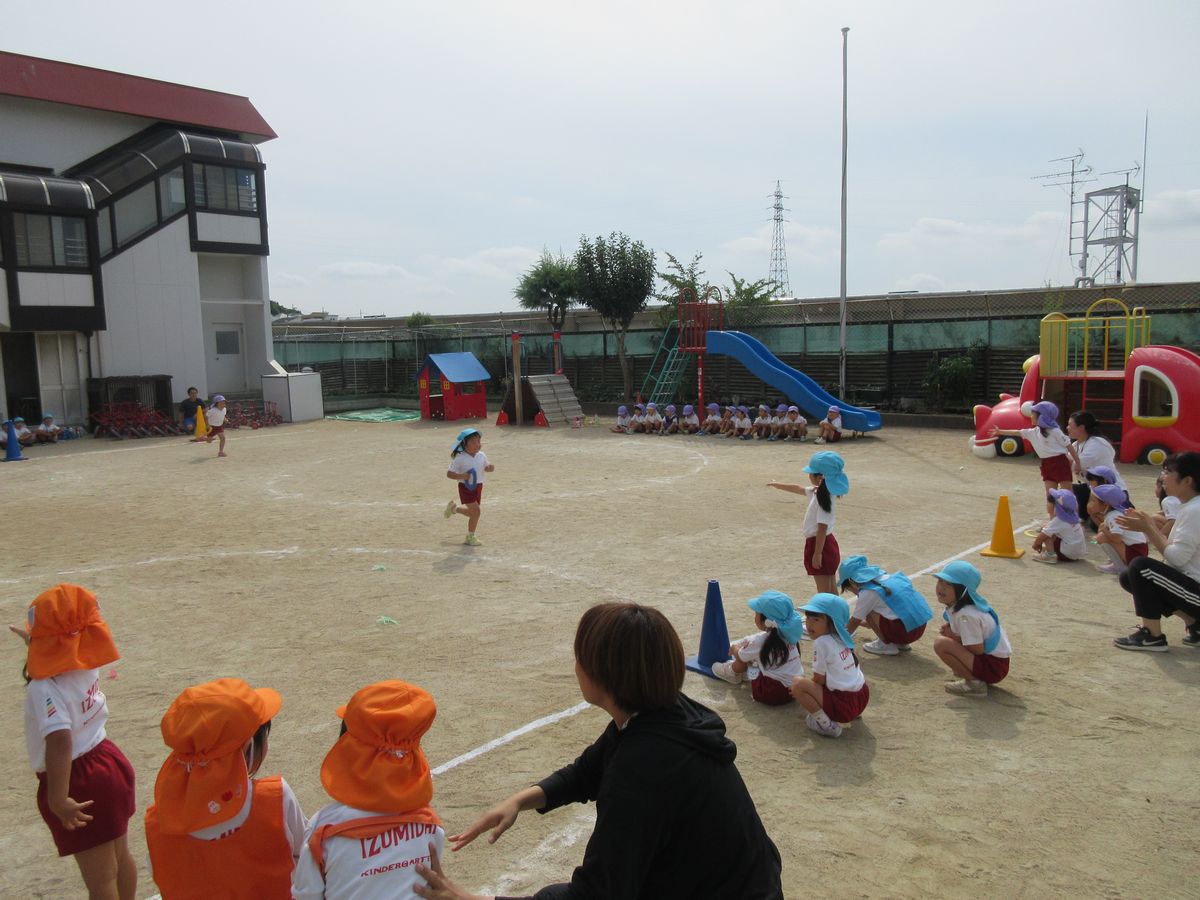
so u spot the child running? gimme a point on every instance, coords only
(1049, 442)
(826, 481)
(622, 423)
(888, 604)
(837, 693)
(468, 466)
(1061, 539)
(85, 784)
(216, 423)
(772, 650)
(1122, 546)
(368, 842)
(972, 642)
(830, 427)
(214, 830)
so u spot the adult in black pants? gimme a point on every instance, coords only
(1172, 586)
(673, 817)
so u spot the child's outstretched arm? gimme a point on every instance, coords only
(785, 486)
(58, 780)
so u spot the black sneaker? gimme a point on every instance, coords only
(1142, 639)
(1192, 638)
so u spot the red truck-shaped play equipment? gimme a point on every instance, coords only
(1146, 397)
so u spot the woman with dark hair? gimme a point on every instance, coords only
(1092, 451)
(673, 817)
(1170, 586)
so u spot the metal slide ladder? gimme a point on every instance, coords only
(666, 369)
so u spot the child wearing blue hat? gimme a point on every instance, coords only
(972, 642)
(837, 693)
(772, 650)
(888, 604)
(1049, 442)
(622, 426)
(1061, 539)
(467, 467)
(826, 481)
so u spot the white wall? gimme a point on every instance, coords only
(228, 229)
(152, 306)
(52, 135)
(55, 289)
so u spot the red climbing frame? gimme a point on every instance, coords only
(696, 318)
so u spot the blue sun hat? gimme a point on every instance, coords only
(858, 570)
(1107, 474)
(1047, 414)
(1066, 507)
(1113, 495)
(779, 610)
(622, 411)
(965, 575)
(830, 465)
(838, 611)
(461, 440)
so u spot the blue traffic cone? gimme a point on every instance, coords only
(714, 634)
(13, 450)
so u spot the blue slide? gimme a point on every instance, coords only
(798, 387)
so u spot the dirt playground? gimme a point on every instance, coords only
(315, 559)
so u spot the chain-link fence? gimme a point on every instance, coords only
(894, 343)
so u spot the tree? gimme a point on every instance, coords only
(616, 278)
(745, 302)
(551, 284)
(418, 320)
(679, 279)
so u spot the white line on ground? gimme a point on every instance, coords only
(969, 551)
(510, 737)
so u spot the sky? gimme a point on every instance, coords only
(429, 153)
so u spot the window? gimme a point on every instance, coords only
(170, 192)
(227, 343)
(104, 230)
(136, 214)
(1155, 397)
(50, 241)
(225, 188)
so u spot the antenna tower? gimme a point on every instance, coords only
(779, 270)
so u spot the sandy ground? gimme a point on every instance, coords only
(1075, 777)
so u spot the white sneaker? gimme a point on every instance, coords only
(473, 541)
(819, 441)
(450, 509)
(879, 648)
(904, 648)
(1111, 569)
(833, 729)
(966, 688)
(724, 671)
(1044, 557)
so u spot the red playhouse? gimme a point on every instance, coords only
(1146, 397)
(451, 387)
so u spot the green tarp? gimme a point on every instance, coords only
(380, 414)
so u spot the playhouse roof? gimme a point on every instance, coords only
(456, 367)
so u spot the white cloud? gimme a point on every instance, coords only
(496, 263)
(949, 235)
(1174, 208)
(355, 271)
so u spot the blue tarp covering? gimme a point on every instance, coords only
(456, 367)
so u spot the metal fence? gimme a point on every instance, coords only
(893, 342)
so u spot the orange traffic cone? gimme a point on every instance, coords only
(1003, 544)
(502, 419)
(540, 419)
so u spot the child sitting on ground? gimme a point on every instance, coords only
(24, 436)
(47, 432)
(214, 830)
(772, 650)
(795, 425)
(712, 422)
(971, 643)
(777, 422)
(654, 421)
(637, 419)
(368, 842)
(622, 425)
(831, 427)
(837, 693)
(1120, 545)
(741, 424)
(670, 423)
(725, 426)
(761, 427)
(690, 423)
(888, 604)
(1061, 539)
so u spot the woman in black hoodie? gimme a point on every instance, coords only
(673, 816)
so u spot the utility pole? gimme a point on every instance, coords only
(842, 304)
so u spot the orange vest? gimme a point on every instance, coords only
(253, 863)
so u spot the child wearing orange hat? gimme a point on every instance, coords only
(212, 830)
(85, 784)
(368, 843)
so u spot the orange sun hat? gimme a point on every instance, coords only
(204, 780)
(377, 765)
(66, 632)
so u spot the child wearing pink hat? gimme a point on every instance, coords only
(831, 427)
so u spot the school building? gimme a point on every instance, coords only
(133, 240)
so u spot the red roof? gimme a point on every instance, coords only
(59, 82)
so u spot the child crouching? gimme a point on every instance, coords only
(971, 643)
(773, 650)
(837, 693)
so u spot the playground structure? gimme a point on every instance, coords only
(451, 387)
(700, 331)
(1145, 396)
(540, 399)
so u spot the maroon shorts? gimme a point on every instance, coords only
(1056, 468)
(468, 495)
(834, 438)
(767, 690)
(989, 669)
(102, 775)
(844, 706)
(216, 429)
(1133, 551)
(893, 632)
(831, 556)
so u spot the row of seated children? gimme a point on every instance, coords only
(971, 641)
(46, 433)
(785, 424)
(214, 829)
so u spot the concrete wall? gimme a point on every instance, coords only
(233, 289)
(5, 321)
(51, 135)
(55, 289)
(228, 229)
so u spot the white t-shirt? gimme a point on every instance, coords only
(835, 421)
(800, 420)
(215, 416)
(1053, 443)
(693, 419)
(763, 420)
(869, 601)
(1096, 451)
(653, 418)
(835, 661)
(712, 419)
(71, 701)
(637, 419)
(622, 421)
(751, 650)
(1171, 507)
(814, 515)
(742, 423)
(1074, 544)
(464, 463)
(974, 626)
(379, 868)
(48, 429)
(1129, 538)
(21, 430)
(777, 420)
(1183, 548)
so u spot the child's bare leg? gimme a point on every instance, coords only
(956, 656)
(221, 446)
(873, 624)
(127, 874)
(825, 583)
(473, 513)
(808, 694)
(737, 665)
(99, 867)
